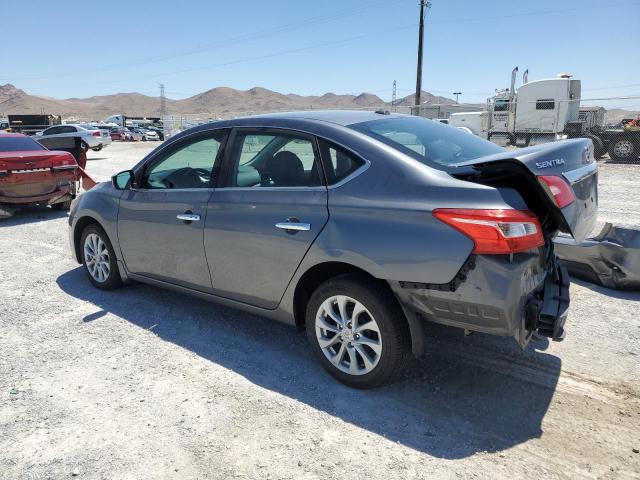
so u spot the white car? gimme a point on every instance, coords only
(92, 138)
(105, 131)
(149, 135)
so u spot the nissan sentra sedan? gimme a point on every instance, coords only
(357, 226)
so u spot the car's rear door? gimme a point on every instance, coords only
(267, 213)
(161, 220)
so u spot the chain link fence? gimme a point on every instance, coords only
(539, 112)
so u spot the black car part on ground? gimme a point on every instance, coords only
(610, 259)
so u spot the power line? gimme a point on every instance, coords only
(289, 27)
(268, 32)
(252, 59)
(613, 86)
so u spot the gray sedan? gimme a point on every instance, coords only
(359, 226)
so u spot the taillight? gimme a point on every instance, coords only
(97, 134)
(560, 190)
(495, 231)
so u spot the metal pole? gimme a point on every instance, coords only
(423, 4)
(457, 94)
(393, 97)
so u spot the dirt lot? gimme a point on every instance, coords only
(144, 383)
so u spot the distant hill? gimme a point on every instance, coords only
(217, 102)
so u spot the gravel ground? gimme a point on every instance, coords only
(145, 383)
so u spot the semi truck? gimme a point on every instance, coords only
(545, 110)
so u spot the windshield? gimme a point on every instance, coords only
(19, 144)
(427, 141)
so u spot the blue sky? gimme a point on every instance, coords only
(78, 49)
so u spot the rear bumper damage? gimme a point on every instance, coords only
(498, 295)
(610, 259)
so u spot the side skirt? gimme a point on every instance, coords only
(276, 314)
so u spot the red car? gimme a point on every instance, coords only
(32, 174)
(117, 133)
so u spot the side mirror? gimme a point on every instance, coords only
(122, 180)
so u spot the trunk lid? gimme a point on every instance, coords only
(31, 160)
(570, 160)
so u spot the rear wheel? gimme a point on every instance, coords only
(99, 258)
(622, 149)
(357, 331)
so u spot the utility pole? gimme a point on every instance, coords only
(457, 94)
(423, 4)
(393, 97)
(163, 102)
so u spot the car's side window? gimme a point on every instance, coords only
(274, 160)
(339, 163)
(190, 166)
(51, 131)
(67, 130)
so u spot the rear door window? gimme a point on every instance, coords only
(266, 160)
(338, 162)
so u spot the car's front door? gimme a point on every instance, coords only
(161, 219)
(271, 207)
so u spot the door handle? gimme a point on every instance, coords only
(297, 226)
(188, 217)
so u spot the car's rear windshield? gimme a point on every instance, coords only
(428, 141)
(19, 144)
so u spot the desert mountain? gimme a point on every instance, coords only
(217, 102)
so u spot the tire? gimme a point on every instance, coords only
(95, 239)
(623, 149)
(97, 149)
(389, 333)
(62, 206)
(598, 147)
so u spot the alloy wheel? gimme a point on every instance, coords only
(348, 335)
(96, 256)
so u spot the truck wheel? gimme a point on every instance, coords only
(598, 147)
(357, 331)
(622, 149)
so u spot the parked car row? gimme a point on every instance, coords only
(136, 134)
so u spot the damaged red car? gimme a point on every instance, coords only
(32, 174)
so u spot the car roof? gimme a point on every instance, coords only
(339, 117)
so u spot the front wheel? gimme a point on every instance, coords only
(358, 331)
(99, 259)
(97, 149)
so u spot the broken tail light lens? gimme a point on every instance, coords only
(561, 191)
(495, 231)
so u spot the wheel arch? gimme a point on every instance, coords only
(321, 272)
(82, 223)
